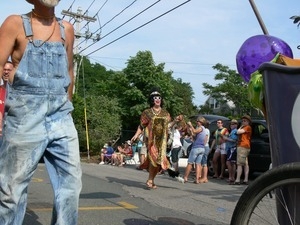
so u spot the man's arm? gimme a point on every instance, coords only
(9, 31)
(69, 48)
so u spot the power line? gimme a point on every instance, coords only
(122, 24)
(95, 14)
(86, 11)
(100, 27)
(69, 8)
(79, 17)
(137, 28)
(119, 13)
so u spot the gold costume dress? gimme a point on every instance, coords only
(156, 135)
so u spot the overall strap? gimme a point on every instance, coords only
(27, 25)
(62, 29)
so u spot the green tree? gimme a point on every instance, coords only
(142, 75)
(231, 87)
(103, 113)
(101, 122)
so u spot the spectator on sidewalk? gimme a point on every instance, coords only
(231, 147)
(106, 153)
(198, 149)
(7, 69)
(176, 149)
(123, 151)
(142, 150)
(220, 151)
(204, 172)
(243, 149)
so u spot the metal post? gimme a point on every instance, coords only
(260, 21)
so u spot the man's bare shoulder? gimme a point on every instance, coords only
(68, 26)
(13, 19)
(12, 23)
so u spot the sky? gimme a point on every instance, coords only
(190, 37)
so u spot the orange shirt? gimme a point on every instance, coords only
(245, 138)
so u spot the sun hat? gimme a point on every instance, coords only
(105, 146)
(247, 118)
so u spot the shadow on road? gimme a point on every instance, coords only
(160, 221)
(31, 218)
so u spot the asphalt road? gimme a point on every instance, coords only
(118, 195)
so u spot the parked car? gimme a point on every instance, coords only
(260, 156)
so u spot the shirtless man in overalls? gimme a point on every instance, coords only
(38, 108)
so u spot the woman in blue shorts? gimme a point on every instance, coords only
(198, 148)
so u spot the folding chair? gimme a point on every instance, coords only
(129, 159)
(107, 158)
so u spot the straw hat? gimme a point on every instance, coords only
(247, 118)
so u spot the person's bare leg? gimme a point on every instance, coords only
(142, 159)
(204, 178)
(216, 164)
(198, 173)
(152, 174)
(246, 172)
(120, 160)
(229, 167)
(233, 170)
(223, 165)
(187, 172)
(239, 173)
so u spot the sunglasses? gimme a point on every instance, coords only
(157, 98)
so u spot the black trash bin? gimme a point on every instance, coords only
(282, 102)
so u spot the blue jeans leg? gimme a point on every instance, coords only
(19, 158)
(63, 164)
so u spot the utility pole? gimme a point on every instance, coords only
(79, 17)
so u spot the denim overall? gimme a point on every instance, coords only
(38, 122)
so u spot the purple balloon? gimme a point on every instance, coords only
(257, 50)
